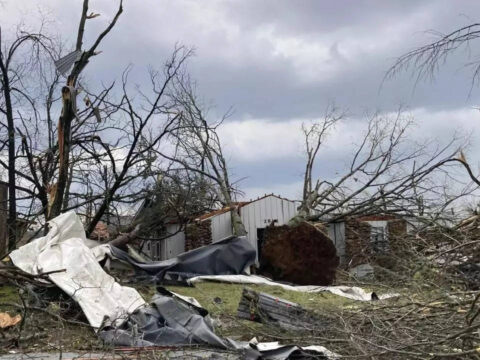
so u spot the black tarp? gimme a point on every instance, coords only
(170, 320)
(230, 256)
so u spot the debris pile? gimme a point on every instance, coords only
(230, 256)
(6, 320)
(118, 314)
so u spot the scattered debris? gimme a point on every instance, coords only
(362, 271)
(100, 233)
(469, 272)
(119, 314)
(271, 310)
(349, 292)
(63, 248)
(300, 254)
(233, 255)
(169, 320)
(7, 321)
(65, 63)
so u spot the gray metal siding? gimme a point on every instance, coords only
(175, 244)
(167, 248)
(259, 214)
(221, 226)
(336, 232)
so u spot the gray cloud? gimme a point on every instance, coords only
(278, 60)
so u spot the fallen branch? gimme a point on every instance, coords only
(124, 239)
(268, 309)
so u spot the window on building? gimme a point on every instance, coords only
(378, 239)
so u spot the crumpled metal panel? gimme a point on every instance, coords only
(65, 63)
(230, 256)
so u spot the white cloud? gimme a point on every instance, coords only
(259, 140)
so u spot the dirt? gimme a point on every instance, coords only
(300, 254)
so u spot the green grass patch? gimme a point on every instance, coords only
(230, 294)
(8, 294)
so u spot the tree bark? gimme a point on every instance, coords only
(64, 130)
(124, 239)
(12, 196)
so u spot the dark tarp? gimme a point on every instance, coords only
(168, 320)
(171, 320)
(226, 257)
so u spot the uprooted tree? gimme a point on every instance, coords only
(389, 172)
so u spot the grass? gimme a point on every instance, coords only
(230, 294)
(9, 294)
(220, 299)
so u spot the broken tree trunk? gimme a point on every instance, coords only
(300, 254)
(125, 238)
(268, 309)
(69, 94)
(237, 224)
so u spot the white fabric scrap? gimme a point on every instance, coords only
(349, 292)
(102, 299)
(269, 346)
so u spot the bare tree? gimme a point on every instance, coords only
(387, 173)
(147, 125)
(198, 147)
(102, 157)
(315, 136)
(69, 109)
(426, 60)
(17, 59)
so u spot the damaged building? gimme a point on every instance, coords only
(356, 238)
(359, 238)
(214, 226)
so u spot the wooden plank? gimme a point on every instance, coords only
(269, 309)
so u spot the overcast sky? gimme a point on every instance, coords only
(279, 63)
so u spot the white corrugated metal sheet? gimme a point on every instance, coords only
(255, 215)
(221, 226)
(262, 212)
(167, 248)
(175, 244)
(336, 232)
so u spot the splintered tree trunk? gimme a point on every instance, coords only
(237, 224)
(12, 196)
(64, 136)
(300, 254)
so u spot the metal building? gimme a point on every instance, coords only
(256, 216)
(167, 248)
